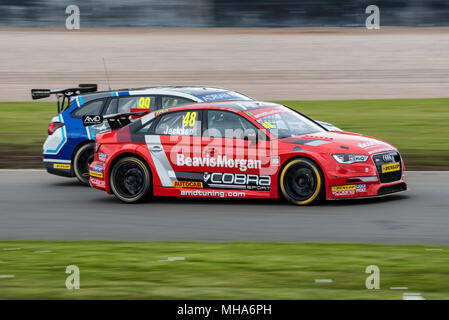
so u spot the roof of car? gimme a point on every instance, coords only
(199, 93)
(193, 90)
(241, 105)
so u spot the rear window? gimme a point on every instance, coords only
(90, 108)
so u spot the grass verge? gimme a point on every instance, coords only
(236, 270)
(418, 127)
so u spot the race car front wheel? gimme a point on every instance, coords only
(301, 181)
(130, 180)
(81, 162)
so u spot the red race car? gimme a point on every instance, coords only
(241, 149)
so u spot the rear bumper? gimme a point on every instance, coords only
(59, 169)
(96, 179)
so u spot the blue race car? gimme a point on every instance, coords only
(69, 147)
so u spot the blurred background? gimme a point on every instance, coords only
(316, 56)
(224, 13)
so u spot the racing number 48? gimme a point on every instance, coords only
(189, 119)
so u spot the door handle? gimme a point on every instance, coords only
(156, 148)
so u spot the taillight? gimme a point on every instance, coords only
(53, 126)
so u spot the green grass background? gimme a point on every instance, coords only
(235, 270)
(418, 127)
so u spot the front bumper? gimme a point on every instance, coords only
(365, 190)
(367, 179)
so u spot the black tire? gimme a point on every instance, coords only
(82, 160)
(130, 180)
(301, 182)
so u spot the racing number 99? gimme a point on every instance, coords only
(189, 119)
(144, 102)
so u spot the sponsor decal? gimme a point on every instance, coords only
(187, 184)
(379, 150)
(343, 188)
(179, 131)
(96, 174)
(65, 166)
(218, 162)
(96, 181)
(97, 171)
(368, 144)
(102, 156)
(348, 190)
(391, 167)
(217, 96)
(213, 193)
(267, 113)
(268, 125)
(237, 181)
(158, 112)
(275, 160)
(90, 120)
(309, 142)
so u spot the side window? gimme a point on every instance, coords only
(182, 123)
(172, 101)
(227, 124)
(125, 104)
(112, 107)
(145, 129)
(90, 108)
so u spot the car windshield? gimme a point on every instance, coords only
(286, 123)
(222, 96)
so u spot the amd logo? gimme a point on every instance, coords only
(90, 120)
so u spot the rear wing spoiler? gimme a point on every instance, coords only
(63, 93)
(115, 121)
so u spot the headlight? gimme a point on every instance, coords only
(350, 158)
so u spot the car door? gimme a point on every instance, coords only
(240, 153)
(175, 141)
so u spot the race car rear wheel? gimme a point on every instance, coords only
(81, 162)
(301, 181)
(130, 180)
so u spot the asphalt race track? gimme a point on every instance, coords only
(37, 206)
